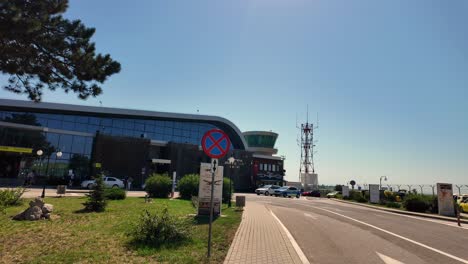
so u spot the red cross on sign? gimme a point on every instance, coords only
(215, 143)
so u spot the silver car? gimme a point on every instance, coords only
(267, 190)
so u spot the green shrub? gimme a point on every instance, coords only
(393, 205)
(226, 194)
(339, 196)
(158, 185)
(415, 203)
(188, 186)
(160, 228)
(11, 197)
(97, 201)
(339, 188)
(115, 194)
(357, 196)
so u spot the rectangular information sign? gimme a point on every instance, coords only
(374, 193)
(345, 191)
(204, 190)
(445, 199)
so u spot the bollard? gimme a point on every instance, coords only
(61, 189)
(240, 201)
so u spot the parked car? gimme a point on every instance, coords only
(461, 198)
(333, 194)
(464, 205)
(288, 191)
(314, 193)
(267, 189)
(111, 182)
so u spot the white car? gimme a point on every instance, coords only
(110, 182)
(267, 190)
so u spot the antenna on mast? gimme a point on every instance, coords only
(307, 174)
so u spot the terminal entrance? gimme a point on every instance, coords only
(9, 164)
(14, 163)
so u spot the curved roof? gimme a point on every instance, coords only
(232, 130)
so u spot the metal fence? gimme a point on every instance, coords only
(418, 188)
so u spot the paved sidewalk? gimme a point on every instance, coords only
(260, 239)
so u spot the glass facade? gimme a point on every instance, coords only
(261, 141)
(73, 134)
(164, 130)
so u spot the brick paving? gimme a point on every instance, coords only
(260, 239)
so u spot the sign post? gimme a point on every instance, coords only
(345, 191)
(374, 193)
(445, 199)
(215, 144)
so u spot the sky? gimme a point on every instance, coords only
(387, 79)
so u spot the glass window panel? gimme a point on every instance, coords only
(69, 118)
(82, 119)
(118, 123)
(129, 124)
(78, 144)
(177, 132)
(93, 120)
(168, 131)
(52, 123)
(92, 129)
(65, 142)
(139, 126)
(53, 139)
(88, 145)
(81, 127)
(106, 122)
(68, 125)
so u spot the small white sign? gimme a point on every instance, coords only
(345, 191)
(374, 193)
(445, 199)
(204, 190)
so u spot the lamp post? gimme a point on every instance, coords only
(233, 163)
(382, 177)
(59, 154)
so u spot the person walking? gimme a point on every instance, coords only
(129, 183)
(71, 178)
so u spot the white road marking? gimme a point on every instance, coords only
(311, 216)
(293, 241)
(396, 235)
(388, 260)
(437, 221)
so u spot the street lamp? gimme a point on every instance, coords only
(382, 177)
(233, 163)
(58, 154)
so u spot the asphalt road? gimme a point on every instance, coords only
(332, 232)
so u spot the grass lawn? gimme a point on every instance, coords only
(101, 237)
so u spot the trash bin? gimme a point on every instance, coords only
(61, 189)
(240, 201)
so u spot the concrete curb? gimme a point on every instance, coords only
(439, 217)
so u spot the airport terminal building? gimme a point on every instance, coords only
(84, 140)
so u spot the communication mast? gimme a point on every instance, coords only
(307, 145)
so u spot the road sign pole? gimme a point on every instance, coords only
(215, 143)
(213, 172)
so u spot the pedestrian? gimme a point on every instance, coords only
(125, 181)
(71, 178)
(129, 183)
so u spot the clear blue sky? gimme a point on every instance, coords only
(388, 78)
